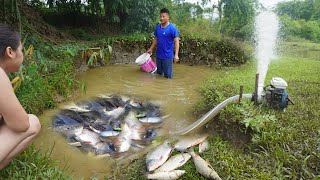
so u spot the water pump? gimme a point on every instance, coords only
(275, 94)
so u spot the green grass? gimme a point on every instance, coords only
(284, 147)
(32, 164)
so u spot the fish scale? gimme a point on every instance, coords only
(88, 137)
(158, 156)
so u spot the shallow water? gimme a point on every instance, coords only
(176, 98)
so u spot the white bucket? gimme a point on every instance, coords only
(143, 58)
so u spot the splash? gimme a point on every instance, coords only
(266, 33)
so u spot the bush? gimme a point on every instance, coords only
(230, 52)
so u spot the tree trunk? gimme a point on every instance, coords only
(105, 7)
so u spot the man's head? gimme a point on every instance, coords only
(164, 15)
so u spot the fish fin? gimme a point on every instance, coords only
(190, 151)
(86, 142)
(209, 165)
(165, 116)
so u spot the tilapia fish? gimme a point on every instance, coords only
(203, 146)
(151, 120)
(158, 156)
(88, 137)
(175, 174)
(69, 130)
(60, 119)
(188, 141)
(104, 148)
(203, 167)
(122, 144)
(174, 162)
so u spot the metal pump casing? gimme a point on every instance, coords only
(276, 95)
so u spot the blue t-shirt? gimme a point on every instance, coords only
(165, 40)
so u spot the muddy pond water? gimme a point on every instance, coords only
(176, 98)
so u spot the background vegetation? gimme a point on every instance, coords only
(281, 145)
(300, 19)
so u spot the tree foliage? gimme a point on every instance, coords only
(131, 15)
(300, 9)
(300, 19)
(235, 17)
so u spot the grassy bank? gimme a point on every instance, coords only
(283, 145)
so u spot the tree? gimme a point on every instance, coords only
(307, 9)
(237, 14)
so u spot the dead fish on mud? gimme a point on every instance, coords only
(174, 162)
(203, 167)
(203, 146)
(189, 141)
(175, 174)
(158, 156)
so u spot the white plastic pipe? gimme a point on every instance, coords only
(210, 115)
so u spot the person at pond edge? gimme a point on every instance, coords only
(17, 128)
(166, 37)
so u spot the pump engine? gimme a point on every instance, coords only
(275, 94)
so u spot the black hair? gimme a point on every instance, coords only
(8, 38)
(165, 10)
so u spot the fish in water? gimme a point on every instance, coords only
(174, 162)
(104, 148)
(189, 141)
(122, 144)
(158, 156)
(150, 134)
(114, 99)
(116, 113)
(76, 108)
(109, 124)
(109, 133)
(203, 167)
(61, 119)
(175, 174)
(151, 119)
(98, 128)
(69, 130)
(72, 114)
(87, 137)
(90, 105)
(109, 136)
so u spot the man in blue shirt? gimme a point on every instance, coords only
(166, 37)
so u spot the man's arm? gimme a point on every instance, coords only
(153, 45)
(176, 49)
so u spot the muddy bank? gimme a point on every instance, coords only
(213, 53)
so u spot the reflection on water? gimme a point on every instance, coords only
(176, 97)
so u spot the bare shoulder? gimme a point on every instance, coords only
(5, 83)
(3, 74)
(11, 110)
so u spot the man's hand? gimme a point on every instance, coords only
(149, 52)
(176, 58)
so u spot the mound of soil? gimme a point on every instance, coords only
(39, 26)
